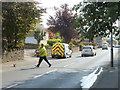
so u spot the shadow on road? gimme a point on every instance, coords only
(78, 56)
(28, 68)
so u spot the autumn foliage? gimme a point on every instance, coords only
(51, 34)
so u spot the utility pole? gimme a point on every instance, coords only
(111, 49)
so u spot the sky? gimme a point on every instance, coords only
(49, 4)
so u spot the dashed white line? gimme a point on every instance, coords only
(38, 76)
(45, 73)
(69, 64)
(12, 85)
(72, 63)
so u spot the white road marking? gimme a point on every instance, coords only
(69, 64)
(88, 81)
(12, 85)
(72, 63)
(45, 73)
(34, 77)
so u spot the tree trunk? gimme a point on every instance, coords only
(38, 43)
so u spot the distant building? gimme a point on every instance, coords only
(85, 42)
(30, 38)
(114, 41)
(98, 41)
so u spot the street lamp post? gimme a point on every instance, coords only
(111, 49)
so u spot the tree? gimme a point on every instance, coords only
(18, 19)
(96, 18)
(39, 35)
(51, 35)
(62, 22)
(99, 18)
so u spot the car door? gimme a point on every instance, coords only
(94, 51)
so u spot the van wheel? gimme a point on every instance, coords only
(64, 56)
(82, 55)
(52, 56)
(70, 56)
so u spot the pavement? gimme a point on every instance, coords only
(29, 60)
(9, 66)
(107, 79)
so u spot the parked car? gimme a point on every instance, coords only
(104, 47)
(62, 50)
(117, 46)
(88, 51)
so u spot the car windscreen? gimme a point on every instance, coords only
(86, 47)
(104, 46)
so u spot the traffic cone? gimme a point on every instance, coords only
(14, 65)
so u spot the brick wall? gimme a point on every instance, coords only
(75, 49)
(13, 56)
(30, 46)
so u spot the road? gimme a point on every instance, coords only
(64, 73)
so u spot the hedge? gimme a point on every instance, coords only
(52, 41)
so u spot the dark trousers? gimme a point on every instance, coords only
(41, 59)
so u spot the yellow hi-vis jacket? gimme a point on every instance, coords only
(43, 51)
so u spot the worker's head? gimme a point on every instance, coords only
(42, 45)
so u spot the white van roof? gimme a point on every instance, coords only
(64, 44)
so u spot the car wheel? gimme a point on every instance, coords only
(82, 55)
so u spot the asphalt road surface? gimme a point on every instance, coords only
(64, 73)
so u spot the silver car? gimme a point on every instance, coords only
(117, 46)
(88, 51)
(104, 47)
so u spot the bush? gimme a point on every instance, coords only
(71, 44)
(81, 44)
(119, 42)
(52, 41)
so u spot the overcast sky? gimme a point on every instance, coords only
(49, 4)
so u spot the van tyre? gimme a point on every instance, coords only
(64, 56)
(52, 56)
